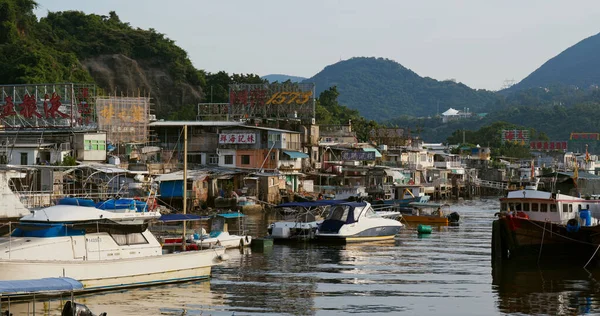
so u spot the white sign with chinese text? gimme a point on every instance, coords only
(237, 138)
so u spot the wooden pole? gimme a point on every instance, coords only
(183, 240)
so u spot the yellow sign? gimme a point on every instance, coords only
(288, 97)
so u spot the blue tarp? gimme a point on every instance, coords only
(23, 287)
(181, 217)
(170, 189)
(316, 203)
(295, 154)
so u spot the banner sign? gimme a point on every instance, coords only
(358, 155)
(515, 135)
(237, 138)
(545, 145)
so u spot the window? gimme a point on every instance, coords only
(553, 207)
(579, 207)
(245, 159)
(213, 160)
(3, 159)
(24, 158)
(129, 239)
(91, 144)
(570, 208)
(543, 207)
(565, 208)
(229, 159)
(272, 156)
(502, 206)
(534, 207)
(526, 207)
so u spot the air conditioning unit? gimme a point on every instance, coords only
(317, 165)
(152, 117)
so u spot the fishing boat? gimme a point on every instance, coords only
(535, 224)
(429, 213)
(356, 222)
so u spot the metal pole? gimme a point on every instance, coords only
(183, 240)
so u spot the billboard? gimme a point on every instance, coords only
(585, 136)
(274, 100)
(358, 155)
(54, 105)
(515, 135)
(548, 145)
(237, 138)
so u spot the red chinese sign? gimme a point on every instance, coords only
(237, 138)
(47, 105)
(515, 135)
(585, 136)
(545, 145)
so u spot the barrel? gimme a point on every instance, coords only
(586, 216)
(424, 229)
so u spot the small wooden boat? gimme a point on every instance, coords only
(430, 213)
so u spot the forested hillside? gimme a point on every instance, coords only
(381, 88)
(576, 66)
(73, 46)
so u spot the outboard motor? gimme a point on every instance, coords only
(74, 309)
(454, 217)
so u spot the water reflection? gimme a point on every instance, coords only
(560, 289)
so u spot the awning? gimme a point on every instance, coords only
(295, 154)
(36, 286)
(377, 153)
(396, 175)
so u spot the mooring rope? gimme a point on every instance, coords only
(592, 257)
(542, 243)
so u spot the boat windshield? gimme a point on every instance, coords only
(339, 213)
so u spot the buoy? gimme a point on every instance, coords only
(424, 229)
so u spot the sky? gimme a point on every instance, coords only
(481, 43)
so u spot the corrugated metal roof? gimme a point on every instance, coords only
(195, 123)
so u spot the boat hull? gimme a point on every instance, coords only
(119, 273)
(371, 234)
(521, 238)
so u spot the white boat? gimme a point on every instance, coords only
(220, 236)
(102, 249)
(301, 220)
(356, 222)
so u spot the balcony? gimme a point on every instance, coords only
(447, 164)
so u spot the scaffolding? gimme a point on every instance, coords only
(125, 119)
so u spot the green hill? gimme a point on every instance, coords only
(381, 89)
(576, 66)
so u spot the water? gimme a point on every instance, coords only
(446, 273)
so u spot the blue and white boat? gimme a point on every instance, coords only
(356, 222)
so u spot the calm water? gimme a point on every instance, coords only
(446, 273)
